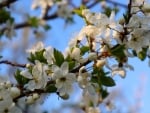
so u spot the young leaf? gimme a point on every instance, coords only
(20, 79)
(37, 56)
(118, 52)
(104, 93)
(51, 88)
(142, 55)
(59, 58)
(107, 81)
(84, 49)
(33, 21)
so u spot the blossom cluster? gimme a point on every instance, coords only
(87, 61)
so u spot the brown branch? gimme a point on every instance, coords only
(23, 94)
(12, 64)
(129, 11)
(53, 16)
(77, 68)
(6, 3)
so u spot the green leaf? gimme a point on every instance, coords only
(51, 88)
(71, 65)
(107, 81)
(20, 79)
(47, 27)
(78, 11)
(84, 49)
(4, 16)
(37, 56)
(142, 55)
(118, 52)
(59, 58)
(107, 11)
(33, 21)
(104, 93)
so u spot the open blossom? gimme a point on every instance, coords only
(121, 71)
(64, 10)
(37, 47)
(7, 94)
(63, 78)
(93, 110)
(43, 4)
(7, 104)
(48, 54)
(38, 76)
(139, 39)
(90, 31)
(87, 86)
(102, 26)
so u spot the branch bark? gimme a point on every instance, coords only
(12, 64)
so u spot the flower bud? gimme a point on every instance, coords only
(76, 53)
(100, 63)
(146, 8)
(92, 56)
(29, 100)
(15, 92)
(35, 96)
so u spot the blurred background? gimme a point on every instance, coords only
(130, 95)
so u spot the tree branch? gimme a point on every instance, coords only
(50, 17)
(12, 64)
(23, 94)
(6, 3)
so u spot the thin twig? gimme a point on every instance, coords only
(54, 16)
(12, 64)
(129, 11)
(23, 94)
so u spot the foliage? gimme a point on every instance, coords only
(86, 61)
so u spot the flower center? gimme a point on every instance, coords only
(63, 79)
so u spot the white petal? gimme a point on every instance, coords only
(64, 67)
(120, 72)
(26, 74)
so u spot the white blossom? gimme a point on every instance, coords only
(6, 103)
(64, 10)
(100, 63)
(75, 54)
(14, 92)
(87, 86)
(118, 71)
(92, 56)
(38, 76)
(43, 4)
(138, 39)
(48, 54)
(37, 47)
(63, 78)
(93, 110)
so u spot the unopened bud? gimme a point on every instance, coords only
(146, 8)
(100, 63)
(29, 100)
(92, 56)
(15, 92)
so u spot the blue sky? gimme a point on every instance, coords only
(130, 86)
